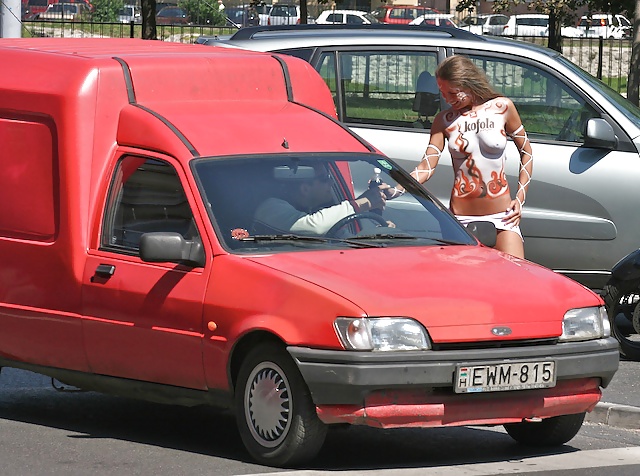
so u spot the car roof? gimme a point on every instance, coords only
(269, 38)
(355, 12)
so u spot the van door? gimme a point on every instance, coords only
(143, 321)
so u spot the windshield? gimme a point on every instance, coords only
(288, 202)
(623, 104)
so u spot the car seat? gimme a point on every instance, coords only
(427, 99)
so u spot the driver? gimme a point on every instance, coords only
(306, 206)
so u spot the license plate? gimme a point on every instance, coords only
(500, 377)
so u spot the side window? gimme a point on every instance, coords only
(145, 196)
(549, 109)
(327, 69)
(388, 88)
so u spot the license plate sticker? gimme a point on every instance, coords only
(503, 376)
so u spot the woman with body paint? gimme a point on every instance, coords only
(476, 127)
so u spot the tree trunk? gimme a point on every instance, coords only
(555, 33)
(303, 11)
(633, 82)
(149, 20)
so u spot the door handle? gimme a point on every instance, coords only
(105, 270)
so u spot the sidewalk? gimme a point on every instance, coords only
(620, 404)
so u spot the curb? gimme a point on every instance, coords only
(614, 414)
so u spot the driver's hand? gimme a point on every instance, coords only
(373, 198)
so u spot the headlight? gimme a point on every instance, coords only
(381, 333)
(585, 324)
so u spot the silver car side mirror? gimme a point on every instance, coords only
(600, 134)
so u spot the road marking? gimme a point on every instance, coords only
(557, 462)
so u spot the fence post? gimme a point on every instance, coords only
(600, 56)
(131, 31)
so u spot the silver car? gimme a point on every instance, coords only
(582, 212)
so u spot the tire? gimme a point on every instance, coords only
(553, 431)
(283, 429)
(621, 304)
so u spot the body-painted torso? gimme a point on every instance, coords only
(477, 141)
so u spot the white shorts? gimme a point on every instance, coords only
(496, 219)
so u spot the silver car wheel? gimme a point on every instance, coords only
(268, 404)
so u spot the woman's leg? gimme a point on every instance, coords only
(510, 242)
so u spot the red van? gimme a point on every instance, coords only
(192, 225)
(400, 14)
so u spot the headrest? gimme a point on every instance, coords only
(427, 83)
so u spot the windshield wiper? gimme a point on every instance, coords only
(316, 239)
(404, 236)
(385, 236)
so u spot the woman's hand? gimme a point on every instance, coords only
(514, 214)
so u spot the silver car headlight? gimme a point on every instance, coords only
(585, 324)
(381, 333)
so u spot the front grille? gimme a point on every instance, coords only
(493, 344)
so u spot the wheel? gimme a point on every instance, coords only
(553, 431)
(276, 417)
(356, 216)
(624, 317)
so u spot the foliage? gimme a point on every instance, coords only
(203, 12)
(106, 10)
(619, 6)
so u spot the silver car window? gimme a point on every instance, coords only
(380, 87)
(549, 109)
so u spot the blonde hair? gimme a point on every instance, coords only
(460, 71)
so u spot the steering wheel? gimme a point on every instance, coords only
(356, 216)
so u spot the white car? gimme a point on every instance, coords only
(350, 17)
(492, 24)
(282, 14)
(129, 13)
(435, 19)
(263, 10)
(536, 24)
(606, 26)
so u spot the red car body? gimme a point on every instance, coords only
(78, 308)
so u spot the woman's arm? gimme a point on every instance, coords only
(427, 165)
(517, 132)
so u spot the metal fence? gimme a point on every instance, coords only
(606, 59)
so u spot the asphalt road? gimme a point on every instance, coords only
(45, 432)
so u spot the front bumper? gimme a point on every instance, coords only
(404, 388)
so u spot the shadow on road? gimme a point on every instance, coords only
(206, 431)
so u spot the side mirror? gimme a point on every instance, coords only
(160, 247)
(484, 231)
(599, 134)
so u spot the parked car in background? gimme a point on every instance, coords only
(536, 24)
(263, 9)
(435, 19)
(581, 214)
(400, 14)
(491, 24)
(282, 14)
(129, 13)
(350, 17)
(606, 25)
(241, 16)
(172, 16)
(31, 9)
(161, 5)
(66, 12)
